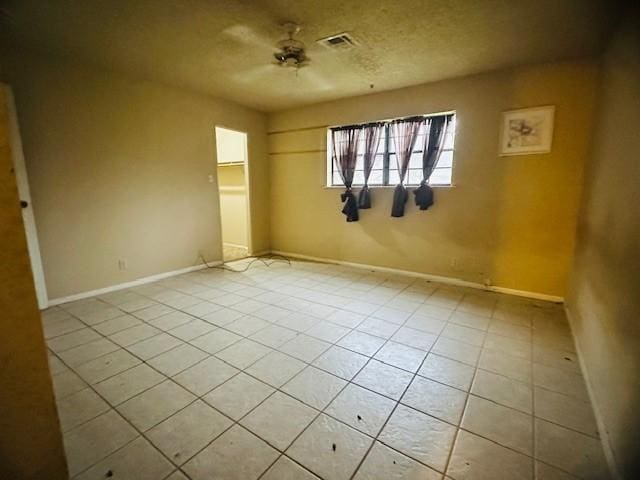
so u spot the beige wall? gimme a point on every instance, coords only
(604, 300)
(118, 169)
(508, 219)
(30, 438)
(233, 204)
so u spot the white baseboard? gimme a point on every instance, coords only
(235, 245)
(433, 278)
(133, 283)
(602, 429)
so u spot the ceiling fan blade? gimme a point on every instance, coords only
(247, 36)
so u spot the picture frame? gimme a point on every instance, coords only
(527, 131)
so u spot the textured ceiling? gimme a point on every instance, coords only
(224, 48)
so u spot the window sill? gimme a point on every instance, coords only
(375, 187)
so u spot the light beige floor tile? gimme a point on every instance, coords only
(285, 469)
(235, 455)
(99, 315)
(384, 379)
(205, 376)
(467, 319)
(154, 346)
(247, 325)
(468, 335)
(271, 313)
(377, 327)
(414, 338)
(61, 326)
(174, 361)
(507, 329)
(107, 366)
(83, 353)
(184, 434)
(360, 307)
(279, 420)
(276, 368)
(125, 385)
(222, 317)
(215, 341)
(67, 383)
(137, 460)
(136, 304)
(116, 324)
(132, 335)
(203, 308)
(346, 318)
(556, 358)
(92, 441)
(447, 371)
(150, 313)
(566, 411)
(314, 387)
(383, 463)
(170, 320)
(435, 399)
(191, 330)
(330, 449)
(243, 353)
(79, 408)
(341, 362)
(177, 475)
(273, 336)
(427, 323)
(154, 405)
(327, 331)
(547, 472)
(508, 346)
(401, 356)
(475, 458)
(508, 427)
(570, 451)
(55, 364)
(361, 342)
(363, 409)
(73, 339)
(456, 350)
(512, 367)
(503, 390)
(558, 380)
(419, 436)
(237, 396)
(304, 347)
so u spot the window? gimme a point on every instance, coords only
(385, 171)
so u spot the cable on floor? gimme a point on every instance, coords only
(267, 260)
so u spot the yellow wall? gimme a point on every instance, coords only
(233, 204)
(30, 438)
(604, 299)
(507, 219)
(119, 170)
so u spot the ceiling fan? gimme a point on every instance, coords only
(291, 52)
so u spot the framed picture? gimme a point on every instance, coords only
(526, 131)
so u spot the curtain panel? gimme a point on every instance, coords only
(345, 154)
(372, 134)
(404, 134)
(435, 132)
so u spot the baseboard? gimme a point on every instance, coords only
(235, 245)
(427, 276)
(602, 430)
(133, 283)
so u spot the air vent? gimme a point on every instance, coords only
(339, 41)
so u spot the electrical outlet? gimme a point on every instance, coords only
(122, 264)
(210, 178)
(455, 263)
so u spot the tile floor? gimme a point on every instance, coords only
(308, 371)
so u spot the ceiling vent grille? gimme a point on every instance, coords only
(339, 41)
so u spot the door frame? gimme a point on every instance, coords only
(247, 188)
(28, 217)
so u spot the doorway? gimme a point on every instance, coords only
(233, 189)
(22, 181)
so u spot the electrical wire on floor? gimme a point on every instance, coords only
(266, 260)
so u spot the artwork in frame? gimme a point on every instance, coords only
(527, 130)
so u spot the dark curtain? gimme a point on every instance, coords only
(404, 133)
(435, 131)
(372, 134)
(345, 151)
